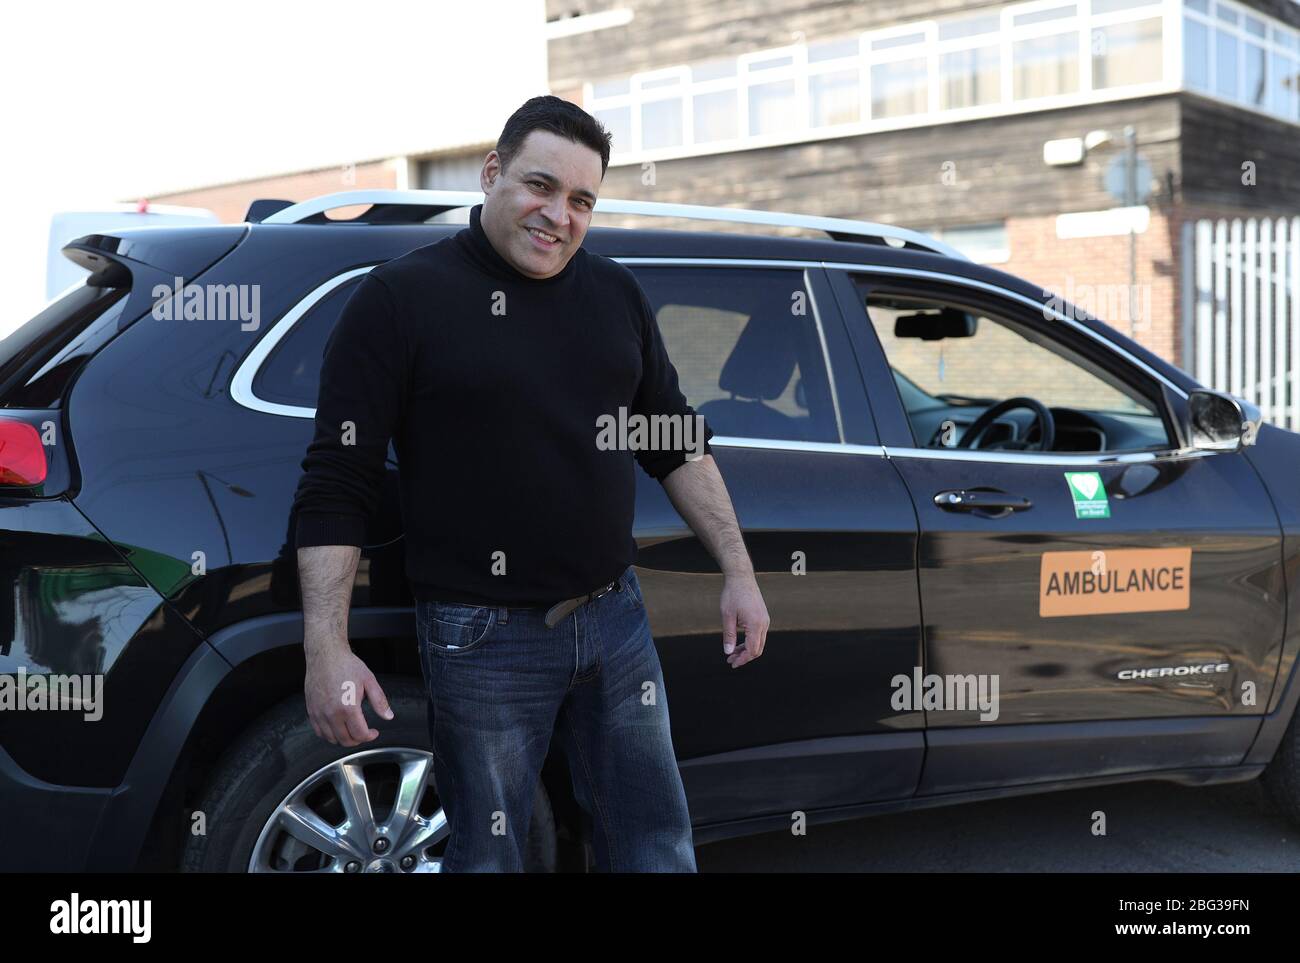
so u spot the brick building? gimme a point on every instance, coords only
(992, 125)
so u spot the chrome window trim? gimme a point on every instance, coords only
(777, 444)
(1086, 459)
(723, 262)
(1098, 459)
(242, 382)
(241, 385)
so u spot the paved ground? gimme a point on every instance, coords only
(1151, 827)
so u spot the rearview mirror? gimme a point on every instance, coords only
(1217, 421)
(935, 325)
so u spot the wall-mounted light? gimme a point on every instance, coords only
(1065, 152)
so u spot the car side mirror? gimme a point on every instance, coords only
(1217, 421)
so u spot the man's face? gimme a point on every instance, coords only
(551, 186)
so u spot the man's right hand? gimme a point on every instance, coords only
(336, 683)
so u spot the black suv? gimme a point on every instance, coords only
(1005, 549)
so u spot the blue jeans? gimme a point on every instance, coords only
(500, 682)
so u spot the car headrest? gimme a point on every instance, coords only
(763, 359)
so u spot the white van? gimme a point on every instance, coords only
(60, 273)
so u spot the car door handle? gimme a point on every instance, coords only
(969, 500)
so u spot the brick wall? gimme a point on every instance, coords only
(230, 201)
(996, 363)
(1093, 272)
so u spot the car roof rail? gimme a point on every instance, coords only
(417, 206)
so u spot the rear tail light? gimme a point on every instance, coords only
(22, 456)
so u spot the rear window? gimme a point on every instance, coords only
(291, 373)
(38, 360)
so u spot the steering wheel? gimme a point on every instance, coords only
(1047, 425)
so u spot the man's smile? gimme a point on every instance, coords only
(542, 239)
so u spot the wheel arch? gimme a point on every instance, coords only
(239, 674)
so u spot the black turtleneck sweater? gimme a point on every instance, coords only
(489, 384)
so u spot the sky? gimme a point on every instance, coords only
(107, 103)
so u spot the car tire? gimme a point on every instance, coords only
(279, 759)
(1281, 777)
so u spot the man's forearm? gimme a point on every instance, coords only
(326, 574)
(699, 494)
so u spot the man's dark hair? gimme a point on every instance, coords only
(559, 117)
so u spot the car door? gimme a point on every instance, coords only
(1102, 607)
(832, 535)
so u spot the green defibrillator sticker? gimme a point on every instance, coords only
(1089, 494)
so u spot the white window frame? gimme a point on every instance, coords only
(1270, 42)
(1082, 22)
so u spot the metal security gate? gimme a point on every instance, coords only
(1241, 311)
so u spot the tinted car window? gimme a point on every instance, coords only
(39, 358)
(746, 348)
(953, 377)
(291, 374)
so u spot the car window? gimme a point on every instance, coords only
(951, 361)
(744, 342)
(291, 373)
(747, 349)
(38, 359)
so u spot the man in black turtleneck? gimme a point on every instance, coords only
(490, 359)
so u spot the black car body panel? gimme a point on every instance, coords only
(76, 606)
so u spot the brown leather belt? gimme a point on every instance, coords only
(561, 609)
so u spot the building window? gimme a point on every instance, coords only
(1126, 53)
(970, 78)
(1232, 52)
(450, 173)
(771, 63)
(1225, 64)
(898, 88)
(909, 39)
(716, 116)
(1021, 56)
(1196, 54)
(848, 49)
(963, 27)
(772, 108)
(1045, 66)
(1043, 16)
(982, 243)
(1284, 82)
(1110, 6)
(714, 70)
(614, 87)
(661, 123)
(833, 97)
(1255, 90)
(618, 121)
